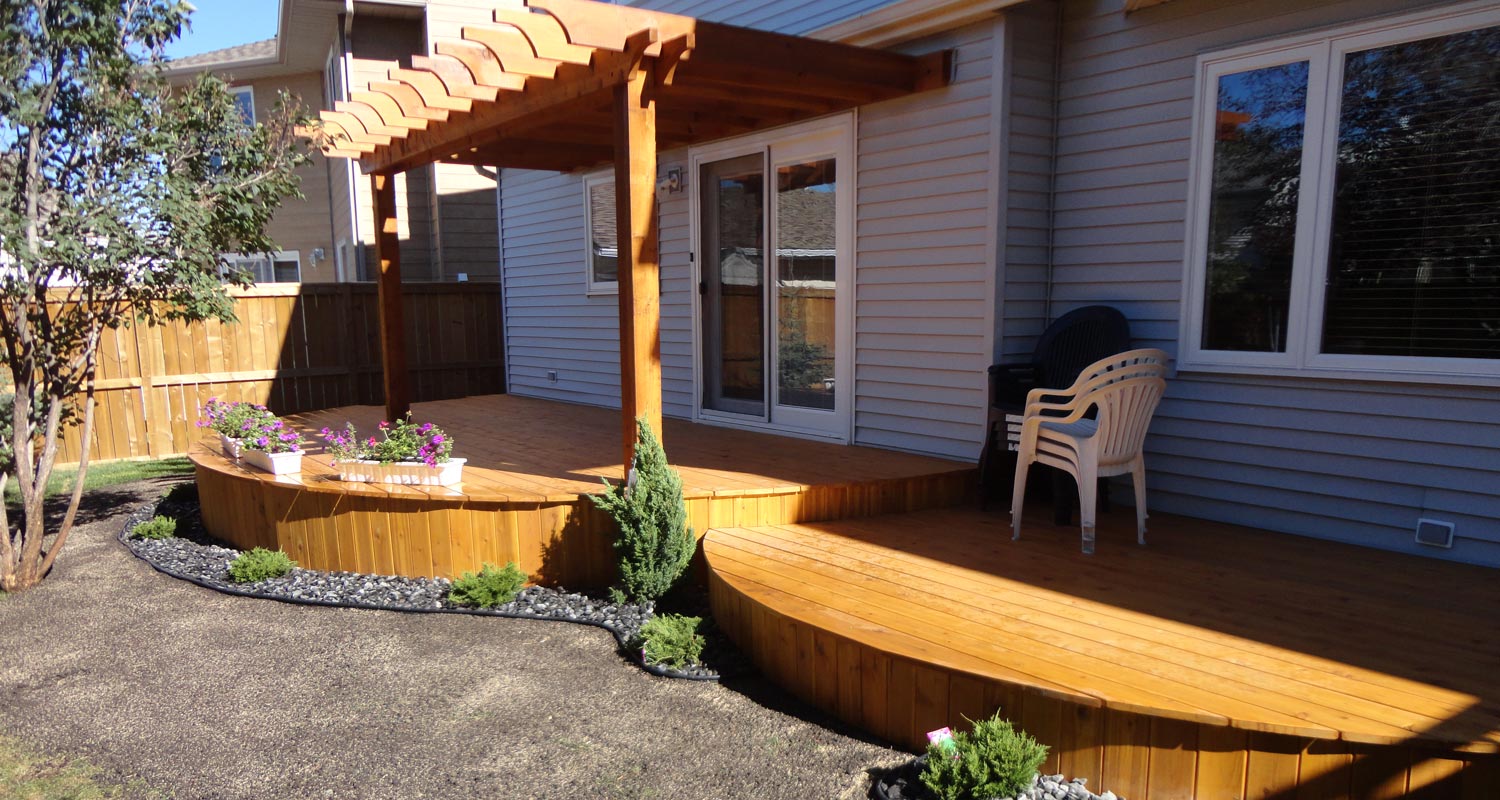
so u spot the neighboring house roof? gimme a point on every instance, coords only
(260, 52)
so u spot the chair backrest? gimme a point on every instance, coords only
(1077, 339)
(1125, 411)
(1146, 362)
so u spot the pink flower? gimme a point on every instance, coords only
(371, 442)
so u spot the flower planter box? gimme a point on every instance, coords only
(274, 463)
(412, 473)
(230, 448)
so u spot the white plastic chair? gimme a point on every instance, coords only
(1057, 431)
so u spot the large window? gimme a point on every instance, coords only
(601, 259)
(1345, 210)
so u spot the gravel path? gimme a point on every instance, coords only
(204, 695)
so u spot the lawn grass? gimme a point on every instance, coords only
(25, 775)
(111, 473)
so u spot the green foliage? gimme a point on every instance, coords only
(671, 640)
(29, 774)
(400, 441)
(618, 596)
(118, 193)
(252, 424)
(260, 564)
(995, 760)
(492, 587)
(655, 544)
(157, 527)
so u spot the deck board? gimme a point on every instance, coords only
(531, 464)
(1272, 634)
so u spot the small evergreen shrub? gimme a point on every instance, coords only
(995, 760)
(492, 587)
(671, 639)
(655, 544)
(157, 527)
(260, 564)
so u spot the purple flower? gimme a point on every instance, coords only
(426, 426)
(261, 442)
(437, 438)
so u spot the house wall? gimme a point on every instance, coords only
(796, 17)
(1354, 460)
(446, 212)
(301, 224)
(927, 175)
(1030, 116)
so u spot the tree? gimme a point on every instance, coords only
(655, 542)
(118, 192)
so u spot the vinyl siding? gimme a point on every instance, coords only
(550, 321)
(1031, 44)
(781, 16)
(1353, 460)
(925, 257)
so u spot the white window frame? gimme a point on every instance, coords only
(270, 259)
(1324, 51)
(593, 287)
(248, 92)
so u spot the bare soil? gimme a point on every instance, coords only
(180, 690)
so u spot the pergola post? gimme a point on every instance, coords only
(392, 327)
(640, 289)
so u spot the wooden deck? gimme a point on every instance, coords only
(530, 463)
(1215, 662)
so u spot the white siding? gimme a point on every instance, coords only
(550, 322)
(925, 258)
(1028, 178)
(1348, 459)
(782, 16)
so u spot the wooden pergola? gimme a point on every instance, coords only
(571, 84)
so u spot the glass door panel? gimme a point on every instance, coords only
(806, 279)
(733, 199)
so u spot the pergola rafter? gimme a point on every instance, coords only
(571, 84)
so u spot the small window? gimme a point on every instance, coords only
(1345, 206)
(602, 257)
(281, 267)
(244, 100)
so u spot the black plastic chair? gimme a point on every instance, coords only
(1074, 341)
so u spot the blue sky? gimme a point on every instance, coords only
(225, 23)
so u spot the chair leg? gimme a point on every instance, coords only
(1088, 501)
(1138, 477)
(1018, 497)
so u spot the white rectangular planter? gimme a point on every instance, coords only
(229, 448)
(411, 473)
(274, 463)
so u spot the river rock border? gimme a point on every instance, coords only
(192, 556)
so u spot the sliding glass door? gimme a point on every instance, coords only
(773, 257)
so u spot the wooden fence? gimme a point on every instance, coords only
(295, 348)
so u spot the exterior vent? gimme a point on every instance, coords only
(1434, 533)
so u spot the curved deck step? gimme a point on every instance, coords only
(1216, 634)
